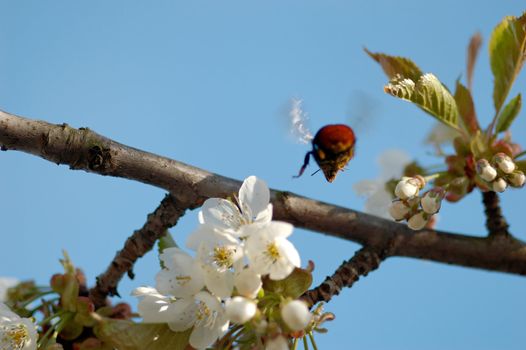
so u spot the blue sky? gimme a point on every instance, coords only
(208, 83)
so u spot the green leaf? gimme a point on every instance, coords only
(508, 114)
(127, 335)
(297, 283)
(521, 165)
(507, 50)
(429, 94)
(466, 108)
(396, 65)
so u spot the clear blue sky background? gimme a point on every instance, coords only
(207, 83)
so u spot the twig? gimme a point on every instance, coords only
(86, 150)
(139, 243)
(495, 222)
(364, 261)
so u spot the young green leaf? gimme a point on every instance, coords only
(396, 65)
(466, 108)
(126, 335)
(508, 114)
(507, 52)
(429, 94)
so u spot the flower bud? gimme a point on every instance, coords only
(398, 210)
(408, 187)
(499, 185)
(417, 221)
(240, 310)
(296, 315)
(432, 200)
(485, 170)
(517, 178)
(504, 163)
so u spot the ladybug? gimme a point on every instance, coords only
(332, 149)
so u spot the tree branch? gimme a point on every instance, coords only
(495, 221)
(364, 261)
(139, 243)
(86, 150)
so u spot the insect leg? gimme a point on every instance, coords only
(305, 163)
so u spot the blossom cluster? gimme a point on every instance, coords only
(409, 205)
(237, 247)
(16, 332)
(500, 172)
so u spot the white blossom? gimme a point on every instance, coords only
(505, 163)
(499, 185)
(5, 284)
(16, 333)
(418, 221)
(485, 170)
(269, 251)
(296, 315)
(517, 178)
(240, 310)
(217, 255)
(182, 275)
(203, 311)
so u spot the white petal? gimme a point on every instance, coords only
(219, 283)
(248, 282)
(221, 214)
(184, 315)
(196, 237)
(254, 194)
(264, 216)
(277, 343)
(183, 280)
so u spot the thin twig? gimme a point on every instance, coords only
(495, 222)
(86, 150)
(139, 243)
(364, 261)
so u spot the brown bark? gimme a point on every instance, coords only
(495, 222)
(364, 261)
(86, 150)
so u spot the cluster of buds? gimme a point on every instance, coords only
(500, 173)
(409, 205)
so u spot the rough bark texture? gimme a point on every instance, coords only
(364, 261)
(495, 222)
(86, 150)
(142, 241)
